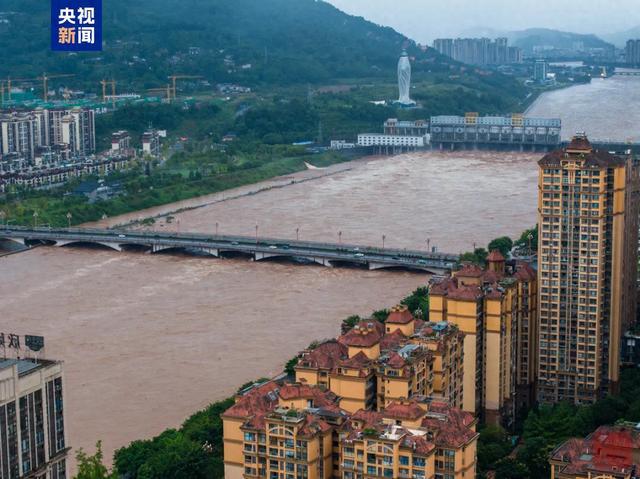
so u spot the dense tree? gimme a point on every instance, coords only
(418, 302)
(509, 468)
(502, 244)
(478, 256)
(91, 467)
(493, 445)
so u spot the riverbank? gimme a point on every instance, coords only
(136, 190)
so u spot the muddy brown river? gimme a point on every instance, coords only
(149, 339)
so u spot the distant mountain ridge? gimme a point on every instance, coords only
(531, 37)
(619, 39)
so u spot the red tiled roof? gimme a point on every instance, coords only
(392, 340)
(256, 401)
(419, 444)
(495, 256)
(451, 426)
(364, 334)
(360, 361)
(325, 356)
(312, 426)
(608, 449)
(304, 391)
(465, 293)
(404, 410)
(395, 360)
(580, 148)
(470, 271)
(399, 315)
(368, 418)
(524, 272)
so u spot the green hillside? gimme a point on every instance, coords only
(283, 41)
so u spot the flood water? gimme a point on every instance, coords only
(149, 339)
(605, 109)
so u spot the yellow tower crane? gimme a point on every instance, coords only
(173, 79)
(165, 90)
(45, 82)
(104, 84)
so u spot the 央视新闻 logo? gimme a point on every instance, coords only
(76, 25)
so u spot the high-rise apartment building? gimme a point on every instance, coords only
(495, 309)
(479, 51)
(24, 134)
(540, 71)
(632, 52)
(587, 269)
(32, 432)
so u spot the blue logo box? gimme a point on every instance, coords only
(76, 25)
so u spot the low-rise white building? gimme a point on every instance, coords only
(403, 141)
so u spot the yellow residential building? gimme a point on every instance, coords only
(409, 440)
(588, 217)
(489, 306)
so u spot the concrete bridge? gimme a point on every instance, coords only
(257, 249)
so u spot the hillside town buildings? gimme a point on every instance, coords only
(40, 148)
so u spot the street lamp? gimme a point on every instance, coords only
(340, 237)
(298, 234)
(384, 237)
(256, 233)
(217, 228)
(35, 219)
(428, 244)
(69, 216)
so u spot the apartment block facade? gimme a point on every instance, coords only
(33, 440)
(495, 310)
(375, 364)
(279, 430)
(588, 219)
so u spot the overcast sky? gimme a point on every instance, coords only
(424, 20)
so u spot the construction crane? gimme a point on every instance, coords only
(45, 82)
(104, 84)
(165, 90)
(173, 79)
(9, 81)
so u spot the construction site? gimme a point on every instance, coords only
(52, 91)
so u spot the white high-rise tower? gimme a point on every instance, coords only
(404, 80)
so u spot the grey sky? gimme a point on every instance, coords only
(424, 20)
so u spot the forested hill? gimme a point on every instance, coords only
(250, 41)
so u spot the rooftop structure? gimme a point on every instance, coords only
(297, 429)
(610, 451)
